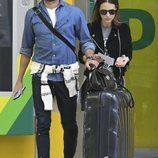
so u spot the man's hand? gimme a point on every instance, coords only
(18, 89)
(91, 63)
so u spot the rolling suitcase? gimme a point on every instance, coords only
(108, 125)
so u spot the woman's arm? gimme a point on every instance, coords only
(127, 47)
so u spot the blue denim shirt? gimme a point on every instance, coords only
(44, 47)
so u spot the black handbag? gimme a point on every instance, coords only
(100, 79)
(97, 79)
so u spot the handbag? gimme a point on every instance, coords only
(100, 79)
(97, 79)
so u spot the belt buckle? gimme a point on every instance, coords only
(37, 11)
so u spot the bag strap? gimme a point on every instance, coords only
(53, 30)
(132, 99)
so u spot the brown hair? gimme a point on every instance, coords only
(96, 15)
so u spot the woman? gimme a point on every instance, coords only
(111, 37)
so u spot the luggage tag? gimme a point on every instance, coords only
(107, 59)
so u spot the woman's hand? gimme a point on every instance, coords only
(121, 61)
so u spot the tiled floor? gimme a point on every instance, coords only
(140, 153)
(146, 153)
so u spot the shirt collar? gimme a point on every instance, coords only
(61, 3)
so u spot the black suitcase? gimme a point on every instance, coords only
(108, 125)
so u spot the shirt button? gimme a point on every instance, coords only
(53, 44)
(53, 55)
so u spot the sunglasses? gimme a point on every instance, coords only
(104, 12)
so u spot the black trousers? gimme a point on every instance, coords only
(67, 108)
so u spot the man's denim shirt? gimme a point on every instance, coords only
(44, 47)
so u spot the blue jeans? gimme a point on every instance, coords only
(67, 108)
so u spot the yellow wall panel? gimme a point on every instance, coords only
(56, 135)
(17, 146)
(3, 102)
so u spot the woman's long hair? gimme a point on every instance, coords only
(96, 15)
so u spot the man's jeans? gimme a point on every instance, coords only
(67, 109)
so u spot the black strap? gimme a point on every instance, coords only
(53, 30)
(132, 99)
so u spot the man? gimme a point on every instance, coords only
(54, 68)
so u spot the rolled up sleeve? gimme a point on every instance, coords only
(83, 33)
(28, 38)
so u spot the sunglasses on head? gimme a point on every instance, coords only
(104, 12)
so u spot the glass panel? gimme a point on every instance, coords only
(6, 45)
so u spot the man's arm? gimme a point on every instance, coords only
(24, 61)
